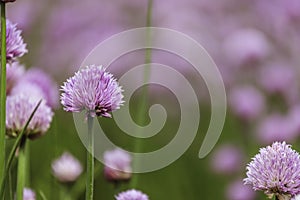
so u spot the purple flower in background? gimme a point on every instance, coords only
(238, 191)
(227, 159)
(246, 102)
(132, 195)
(66, 168)
(28, 194)
(92, 89)
(276, 127)
(246, 45)
(18, 111)
(275, 170)
(117, 165)
(48, 87)
(23, 88)
(14, 72)
(279, 79)
(15, 47)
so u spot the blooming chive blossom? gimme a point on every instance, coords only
(132, 195)
(227, 159)
(117, 165)
(275, 170)
(92, 89)
(15, 46)
(18, 111)
(45, 82)
(66, 168)
(14, 72)
(238, 191)
(28, 194)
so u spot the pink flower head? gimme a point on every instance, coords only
(66, 168)
(14, 73)
(28, 194)
(246, 102)
(238, 191)
(48, 87)
(117, 165)
(275, 170)
(15, 47)
(246, 45)
(132, 195)
(92, 89)
(18, 110)
(227, 159)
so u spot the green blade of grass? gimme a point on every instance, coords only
(14, 149)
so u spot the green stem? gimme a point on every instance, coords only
(21, 169)
(14, 149)
(144, 100)
(3, 90)
(90, 161)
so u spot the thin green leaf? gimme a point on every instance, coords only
(14, 149)
(43, 196)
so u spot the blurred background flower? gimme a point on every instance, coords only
(254, 43)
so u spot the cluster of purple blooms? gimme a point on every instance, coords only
(25, 89)
(276, 171)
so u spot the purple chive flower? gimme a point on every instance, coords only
(28, 194)
(296, 197)
(227, 159)
(66, 168)
(92, 89)
(238, 191)
(15, 46)
(271, 78)
(246, 102)
(14, 72)
(23, 87)
(18, 111)
(276, 127)
(246, 45)
(117, 165)
(48, 87)
(275, 170)
(132, 195)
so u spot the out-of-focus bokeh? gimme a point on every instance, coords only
(255, 44)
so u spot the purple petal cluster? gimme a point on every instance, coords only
(275, 170)
(18, 111)
(15, 46)
(117, 165)
(48, 87)
(28, 194)
(66, 168)
(14, 72)
(132, 195)
(92, 89)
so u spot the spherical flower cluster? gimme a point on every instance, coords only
(92, 89)
(132, 195)
(117, 165)
(66, 168)
(48, 87)
(18, 111)
(14, 73)
(227, 159)
(275, 170)
(15, 46)
(28, 194)
(246, 102)
(238, 191)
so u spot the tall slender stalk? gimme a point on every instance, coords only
(90, 161)
(3, 89)
(21, 179)
(144, 100)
